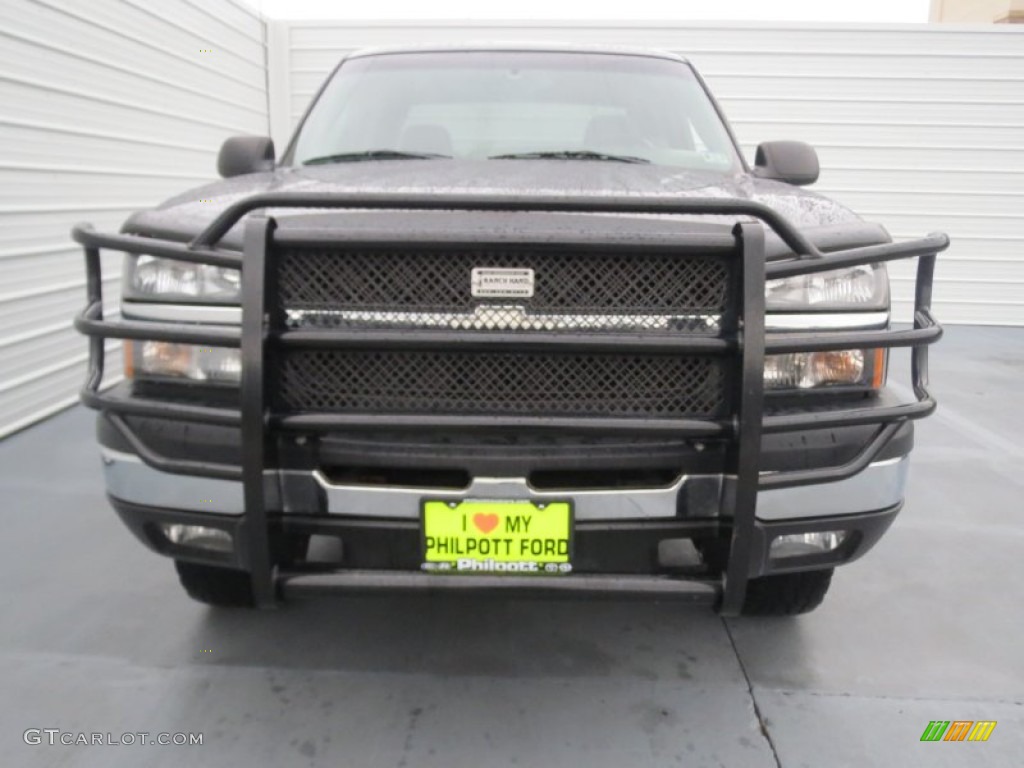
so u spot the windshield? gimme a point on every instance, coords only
(503, 104)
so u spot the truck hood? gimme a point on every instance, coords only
(184, 216)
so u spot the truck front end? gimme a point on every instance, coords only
(578, 420)
(372, 369)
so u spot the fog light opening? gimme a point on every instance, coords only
(198, 537)
(802, 544)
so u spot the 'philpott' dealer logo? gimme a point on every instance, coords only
(958, 730)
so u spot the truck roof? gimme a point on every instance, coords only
(506, 46)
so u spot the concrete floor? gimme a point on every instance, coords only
(95, 635)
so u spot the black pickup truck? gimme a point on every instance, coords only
(508, 318)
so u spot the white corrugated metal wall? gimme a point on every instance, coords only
(116, 104)
(918, 127)
(108, 106)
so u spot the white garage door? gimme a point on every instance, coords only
(108, 106)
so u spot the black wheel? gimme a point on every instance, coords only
(786, 594)
(215, 586)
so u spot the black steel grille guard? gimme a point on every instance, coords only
(744, 340)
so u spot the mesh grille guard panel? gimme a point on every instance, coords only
(500, 383)
(574, 290)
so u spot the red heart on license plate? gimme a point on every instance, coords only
(485, 523)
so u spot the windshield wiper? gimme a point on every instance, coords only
(571, 154)
(373, 154)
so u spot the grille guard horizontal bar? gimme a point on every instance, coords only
(549, 204)
(84, 234)
(91, 323)
(496, 340)
(750, 342)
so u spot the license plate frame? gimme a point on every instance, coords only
(514, 521)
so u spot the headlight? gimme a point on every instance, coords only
(156, 360)
(150, 276)
(864, 287)
(810, 370)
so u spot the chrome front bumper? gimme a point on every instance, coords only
(879, 486)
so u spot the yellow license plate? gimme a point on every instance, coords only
(496, 537)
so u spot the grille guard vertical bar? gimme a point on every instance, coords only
(255, 543)
(922, 319)
(750, 242)
(94, 294)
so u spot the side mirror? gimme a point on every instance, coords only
(790, 161)
(245, 154)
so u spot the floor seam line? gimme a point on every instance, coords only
(753, 697)
(891, 697)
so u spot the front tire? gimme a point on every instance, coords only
(215, 586)
(786, 594)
